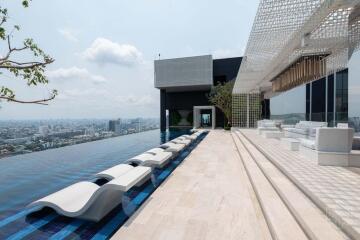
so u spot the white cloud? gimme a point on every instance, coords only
(104, 51)
(81, 93)
(135, 100)
(68, 34)
(75, 73)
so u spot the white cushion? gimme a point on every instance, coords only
(308, 143)
(334, 139)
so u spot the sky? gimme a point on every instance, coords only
(104, 50)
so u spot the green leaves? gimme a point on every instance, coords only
(4, 91)
(221, 97)
(25, 3)
(32, 71)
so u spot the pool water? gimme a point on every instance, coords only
(28, 177)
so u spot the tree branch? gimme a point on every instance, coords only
(11, 50)
(17, 65)
(40, 102)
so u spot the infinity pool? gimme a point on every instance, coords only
(28, 177)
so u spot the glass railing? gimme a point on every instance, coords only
(341, 117)
(291, 118)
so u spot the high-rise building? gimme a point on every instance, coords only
(114, 125)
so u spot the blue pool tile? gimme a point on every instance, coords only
(110, 227)
(15, 217)
(33, 227)
(67, 230)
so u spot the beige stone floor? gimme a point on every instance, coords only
(335, 189)
(208, 196)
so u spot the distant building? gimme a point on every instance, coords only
(117, 126)
(90, 131)
(44, 130)
(113, 125)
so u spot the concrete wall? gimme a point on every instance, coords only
(183, 72)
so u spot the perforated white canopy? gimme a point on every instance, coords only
(285, 30)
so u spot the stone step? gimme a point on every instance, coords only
(281, 222)
(312, 220)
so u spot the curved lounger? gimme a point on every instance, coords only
(155, 151)
(150, 160)
(173, 147)
(86, 200)
(185, 137)
(180, 140)
(198, 133)
(191, 137)
(114, 172)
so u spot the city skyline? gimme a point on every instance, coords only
(109, 72)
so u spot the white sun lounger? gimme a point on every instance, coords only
(86, 200)
(186, 142)
(173, 147)
(155, 151)
(114, 172)
(186, 137)
(198, 133)
(150, 160)
(191, 137)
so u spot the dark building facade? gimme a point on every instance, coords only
(320, 99)
(314, 101)
(185, 99)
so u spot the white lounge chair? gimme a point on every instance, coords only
(86, 200)
(114, 172)
(181, 140)
(155, 151)
(199, 133)
(150, 160)
(191, 137)
(173, 147)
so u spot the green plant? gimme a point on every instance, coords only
(175, 118)
(31, 70)
(221, 97)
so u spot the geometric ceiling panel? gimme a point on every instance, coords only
(284, 31)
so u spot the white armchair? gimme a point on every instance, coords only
(337, 140)
(266, 125)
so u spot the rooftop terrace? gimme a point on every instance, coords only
(249, 188)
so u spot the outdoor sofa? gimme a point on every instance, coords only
(266, 125)
(304, 130)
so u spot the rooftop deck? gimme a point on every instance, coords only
(209, 196)
(240, 185)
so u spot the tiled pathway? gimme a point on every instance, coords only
(208, 196)
(335, 189)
